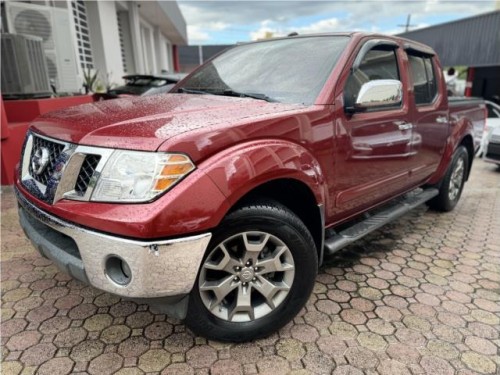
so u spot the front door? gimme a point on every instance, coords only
(376, 145)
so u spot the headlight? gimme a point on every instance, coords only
(133, 176)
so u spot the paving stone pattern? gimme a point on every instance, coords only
(420, 296)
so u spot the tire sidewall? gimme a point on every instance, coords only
(298, 240)
(448, 205)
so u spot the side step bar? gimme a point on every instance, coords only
(395, 209)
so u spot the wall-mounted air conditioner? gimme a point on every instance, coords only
(53, 26)
(24, 70)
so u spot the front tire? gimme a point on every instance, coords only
(452, 183)
(258, 273)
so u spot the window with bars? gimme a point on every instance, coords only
(82, 34)
(122, 43)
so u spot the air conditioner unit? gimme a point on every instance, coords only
(24, 71)
(53, 26)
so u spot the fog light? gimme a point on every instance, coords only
(118, 270)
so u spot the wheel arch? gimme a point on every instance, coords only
(468, 143)
(298, 198)
(276, 169)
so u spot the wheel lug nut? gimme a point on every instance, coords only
(254, 279)
(237, 268)
(236, 278)
(255, 268)
(244, 284)
(248, 263)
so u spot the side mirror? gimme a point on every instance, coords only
(378, 94)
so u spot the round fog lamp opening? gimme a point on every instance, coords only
(118, 270)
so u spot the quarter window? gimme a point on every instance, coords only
(377, 64)
(424, 79)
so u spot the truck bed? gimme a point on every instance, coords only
(471, 108)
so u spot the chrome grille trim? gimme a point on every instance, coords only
(86, 173)
(61, 183)
(80, 154)
(55, 149)
(44, 188)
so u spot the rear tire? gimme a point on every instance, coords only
(258, 273)
(452, 184)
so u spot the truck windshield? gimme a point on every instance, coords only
(287, 70)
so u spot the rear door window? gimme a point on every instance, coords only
(424, 79)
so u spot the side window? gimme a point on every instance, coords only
(377, 64)
(492, 113)
(424, 79)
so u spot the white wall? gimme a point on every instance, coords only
(162, 52)
(147, 49)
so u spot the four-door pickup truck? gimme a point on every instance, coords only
(219, 201)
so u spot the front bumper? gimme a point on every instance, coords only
(157, 268)
(492, 153)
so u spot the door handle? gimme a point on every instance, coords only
(442, 119)
(402, 125)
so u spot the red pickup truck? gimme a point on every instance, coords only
(218, 202)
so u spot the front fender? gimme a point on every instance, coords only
(240, 169)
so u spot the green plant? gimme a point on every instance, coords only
(90, 79)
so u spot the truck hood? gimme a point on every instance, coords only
(144, 123)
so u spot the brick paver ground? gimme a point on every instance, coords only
(422, 295)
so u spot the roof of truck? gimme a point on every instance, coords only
(407, 43)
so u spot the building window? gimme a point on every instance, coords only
(122, 43)
(82, 34)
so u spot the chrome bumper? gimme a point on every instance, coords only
(157, 268)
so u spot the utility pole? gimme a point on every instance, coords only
(407, 25)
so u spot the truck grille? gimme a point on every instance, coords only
(52, 170)
(86, 172)
(54, 150)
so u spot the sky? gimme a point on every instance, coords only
(227, 22)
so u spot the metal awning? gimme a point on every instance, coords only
(473, 41)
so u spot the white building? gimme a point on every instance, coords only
(113, 37)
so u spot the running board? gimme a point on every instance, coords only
(396, 209)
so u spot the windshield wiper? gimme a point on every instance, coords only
(184, 90)
(227, 93)
(246, 95)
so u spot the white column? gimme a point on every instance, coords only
(135, 33)
(170, 55)
(161, 51)
(154, 65)
(105, 39)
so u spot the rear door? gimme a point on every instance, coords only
(430, 114)
(373, 147)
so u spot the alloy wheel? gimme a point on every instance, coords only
(456, 180)
(247, 276)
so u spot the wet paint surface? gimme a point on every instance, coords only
(144, 123)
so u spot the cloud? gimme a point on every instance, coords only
(196, 35)
(263, 31)
(322, 26)
(255, 18)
